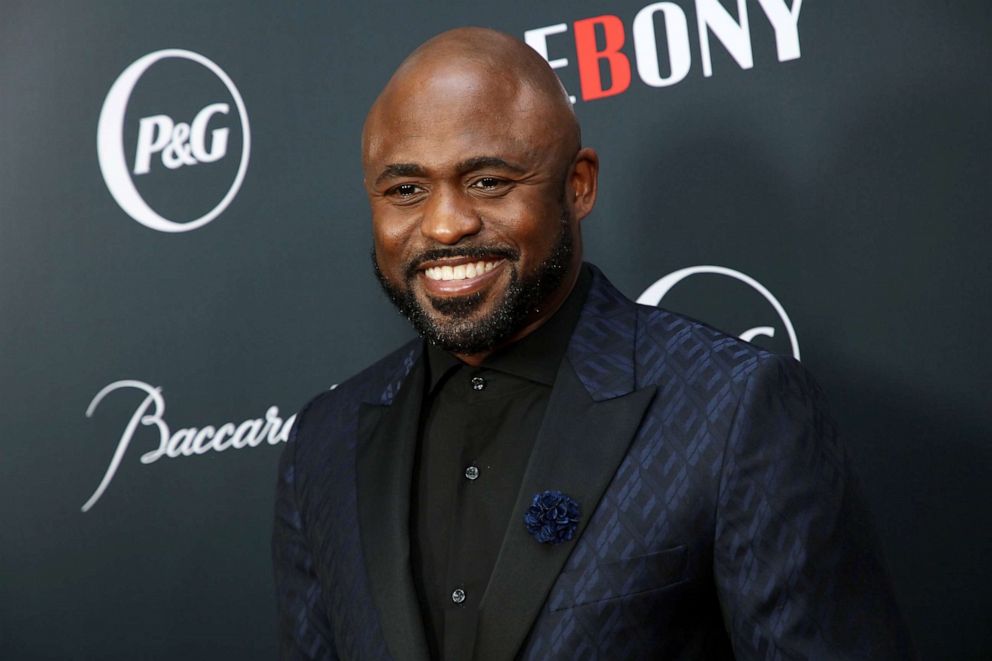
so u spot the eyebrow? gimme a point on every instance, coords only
(397, 170)
(480, 162)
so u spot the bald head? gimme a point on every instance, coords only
(490, 52)
(498, 76)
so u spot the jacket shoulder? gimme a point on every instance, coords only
(376, 384)
(669, 349)
(680, 334)
(672, 345)
(699, 366)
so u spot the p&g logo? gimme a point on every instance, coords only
(737, 307)
(165, 144)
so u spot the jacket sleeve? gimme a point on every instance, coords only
(304, 629)
(795, 563)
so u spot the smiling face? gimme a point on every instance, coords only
(476, 184)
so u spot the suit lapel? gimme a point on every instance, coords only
(387, 443)
(578, 450)
(592, 417)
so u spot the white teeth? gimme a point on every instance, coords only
(460, 272)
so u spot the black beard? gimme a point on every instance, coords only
(523, 297)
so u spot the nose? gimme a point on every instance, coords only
(449, 217)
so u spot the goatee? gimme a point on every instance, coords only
(448, 325)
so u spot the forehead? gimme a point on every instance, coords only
(454, 114)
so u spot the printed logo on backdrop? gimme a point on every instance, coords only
(147, 423)
(173, 140)
(729, 300)
(662, 42)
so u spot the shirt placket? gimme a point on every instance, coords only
(465, 587)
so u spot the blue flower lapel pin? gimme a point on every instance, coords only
(552, 517)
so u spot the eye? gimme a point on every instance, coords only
(405, 190)
(488, 184)
(405, 193)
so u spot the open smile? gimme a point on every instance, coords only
(460, 276)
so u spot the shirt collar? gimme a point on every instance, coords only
(535, 357)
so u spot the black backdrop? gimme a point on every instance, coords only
(845, 168)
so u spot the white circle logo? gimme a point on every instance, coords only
(652, 296)
(177, 144)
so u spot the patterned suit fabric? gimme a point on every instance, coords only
(728, 527)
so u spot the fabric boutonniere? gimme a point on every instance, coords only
(552, 517)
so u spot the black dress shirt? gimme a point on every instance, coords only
(478, 426)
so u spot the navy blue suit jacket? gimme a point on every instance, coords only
(720, 516)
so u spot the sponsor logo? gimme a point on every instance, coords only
(163, 145)
(656, 292)
(269, 429)
(660, 35)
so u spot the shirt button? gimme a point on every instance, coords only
(478, 383)
(458, 596)
(472, 472)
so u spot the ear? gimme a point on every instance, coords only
(583, 182)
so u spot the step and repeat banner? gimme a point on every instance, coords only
(184, 261)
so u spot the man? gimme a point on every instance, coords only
(553, 472)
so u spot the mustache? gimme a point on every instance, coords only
(478, 252)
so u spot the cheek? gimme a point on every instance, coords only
(392, 237)
(533, 230)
